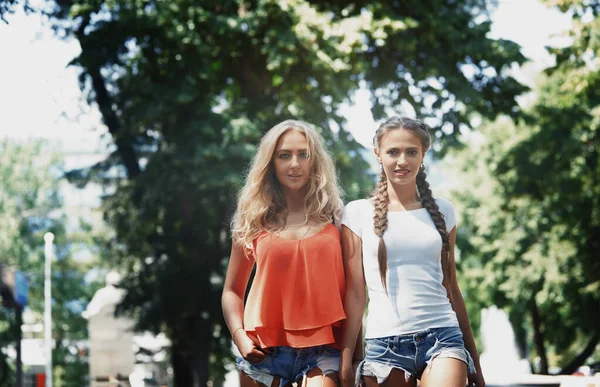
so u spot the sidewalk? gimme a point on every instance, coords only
(547, 381)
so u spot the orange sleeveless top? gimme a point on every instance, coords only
(296, 298)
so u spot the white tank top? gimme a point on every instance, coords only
(416, 299)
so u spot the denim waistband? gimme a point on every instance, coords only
(316, 350)
(408, 337)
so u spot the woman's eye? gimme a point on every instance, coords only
(412, 152)
(392, 152)
(304, 155)
(284, 156)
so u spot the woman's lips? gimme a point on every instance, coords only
(402, 172)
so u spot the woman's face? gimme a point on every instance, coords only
(291, 160)
(401, 154)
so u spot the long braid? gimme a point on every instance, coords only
(438, 219)
(380, 220)
(380, 195)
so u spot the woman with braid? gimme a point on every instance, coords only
(400, 246)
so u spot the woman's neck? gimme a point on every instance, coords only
(405, 195)
(295, 201)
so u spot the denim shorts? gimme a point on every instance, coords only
(412, 353)
(291, 364)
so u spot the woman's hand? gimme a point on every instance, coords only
(346, 374)
(249, 350)
(476, 379)
(348, 368)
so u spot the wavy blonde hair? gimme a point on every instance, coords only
(261, 200)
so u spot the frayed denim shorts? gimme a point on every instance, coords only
(412, 353)
(291, 364)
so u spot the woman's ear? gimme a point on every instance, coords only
(423, 156)
(376, 151)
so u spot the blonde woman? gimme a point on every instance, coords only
(400, 245)
(289, 329)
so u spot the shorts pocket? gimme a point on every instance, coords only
(449, 337)
(268, 357)
(376, 348)
(263, 361)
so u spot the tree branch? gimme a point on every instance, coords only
(582, 357)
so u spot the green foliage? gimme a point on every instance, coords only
(187, 88)
(507, 257)
(558, 168)
(30, 206)
(578, 8)
(531, 230)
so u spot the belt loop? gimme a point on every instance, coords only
(430, 332)
(358, 376)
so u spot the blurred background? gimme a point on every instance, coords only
(126, 127)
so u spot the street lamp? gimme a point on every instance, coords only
(48, 238)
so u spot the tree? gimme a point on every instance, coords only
(557, 168)
(30, 206)
(186, 89)
(531, 232)
(565, 141)
(509, 255)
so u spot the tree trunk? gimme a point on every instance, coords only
(111, 120)
(538, 337)
(4, 371)
(124, 147)
(190, 369)
(181, 370)
(582, 357)
(200, 365)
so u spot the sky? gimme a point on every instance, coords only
(39, 93)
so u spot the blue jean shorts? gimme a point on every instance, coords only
(291, 364)
(412, 353)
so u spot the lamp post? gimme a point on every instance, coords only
(48, 238)
(19, 322)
